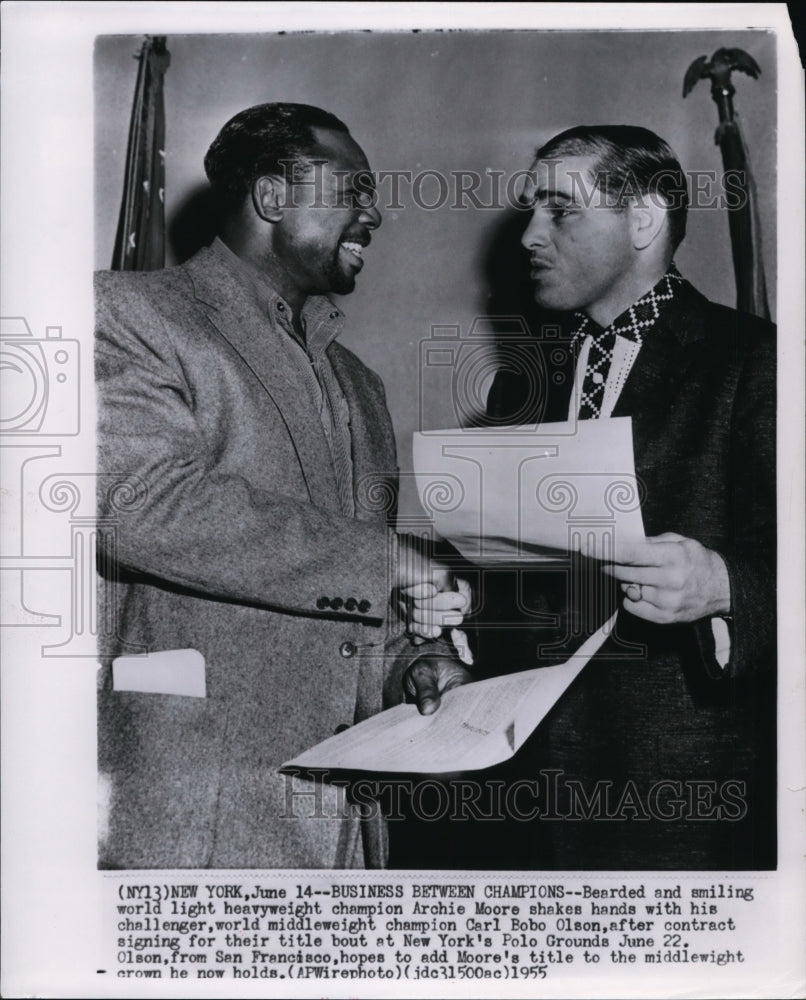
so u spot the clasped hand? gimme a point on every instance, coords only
(430, 608)
(430, 598)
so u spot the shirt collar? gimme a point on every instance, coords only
(322, 319)
(639, 318)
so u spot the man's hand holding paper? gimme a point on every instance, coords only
(428, 678)
(669, 579)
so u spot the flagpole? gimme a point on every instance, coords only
(140, 240)
(743, 218)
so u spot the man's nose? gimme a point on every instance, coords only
(536, 233)
(370, 217)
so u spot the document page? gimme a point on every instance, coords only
(532, 492)
(476, 725)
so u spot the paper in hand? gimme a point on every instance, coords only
(530, 493)
(476, 726)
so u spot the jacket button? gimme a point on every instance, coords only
(340, 728)
(280, 307)
(364, 606)
(351, 604)
(336, 603)
(347, 649)
(322, 603)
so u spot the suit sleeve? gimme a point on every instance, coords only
(177, 514)
(750, 557)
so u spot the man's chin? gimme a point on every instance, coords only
(342, 284)
(552, 303)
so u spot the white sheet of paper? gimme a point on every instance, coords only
(476, 725)
(532, 492)
(171, 671)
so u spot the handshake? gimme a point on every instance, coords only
(430, 600)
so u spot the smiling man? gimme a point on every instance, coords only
(252, 556)
(662, 754)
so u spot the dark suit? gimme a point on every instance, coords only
(231, 541)
(654, 706)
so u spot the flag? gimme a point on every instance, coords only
(140, 240)
(743, 223)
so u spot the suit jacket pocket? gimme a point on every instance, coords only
(162, 757)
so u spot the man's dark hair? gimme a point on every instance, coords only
(630, 160)
(259, 141)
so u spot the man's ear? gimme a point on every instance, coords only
(648, 220)
(268, 198)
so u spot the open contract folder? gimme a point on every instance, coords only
(475, 726)
(510, 495)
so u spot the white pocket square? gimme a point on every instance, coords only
(172, 671)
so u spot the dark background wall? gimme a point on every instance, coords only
(444, 101)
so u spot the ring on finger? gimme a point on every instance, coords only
(634, 592)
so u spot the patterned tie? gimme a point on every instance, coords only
(600, 357)
(633, 324)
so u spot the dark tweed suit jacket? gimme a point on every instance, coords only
(654, 706)
(231, 542)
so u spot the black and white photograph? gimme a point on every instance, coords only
(403, 500)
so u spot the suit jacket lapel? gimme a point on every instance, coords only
(372, 442)
(666, 356)
(234, 315)
(656, 370)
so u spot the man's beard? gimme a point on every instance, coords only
(339, 281)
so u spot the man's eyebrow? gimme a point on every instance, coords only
(548, 194)
(301, 165)
(545, 196)
(365, 177)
